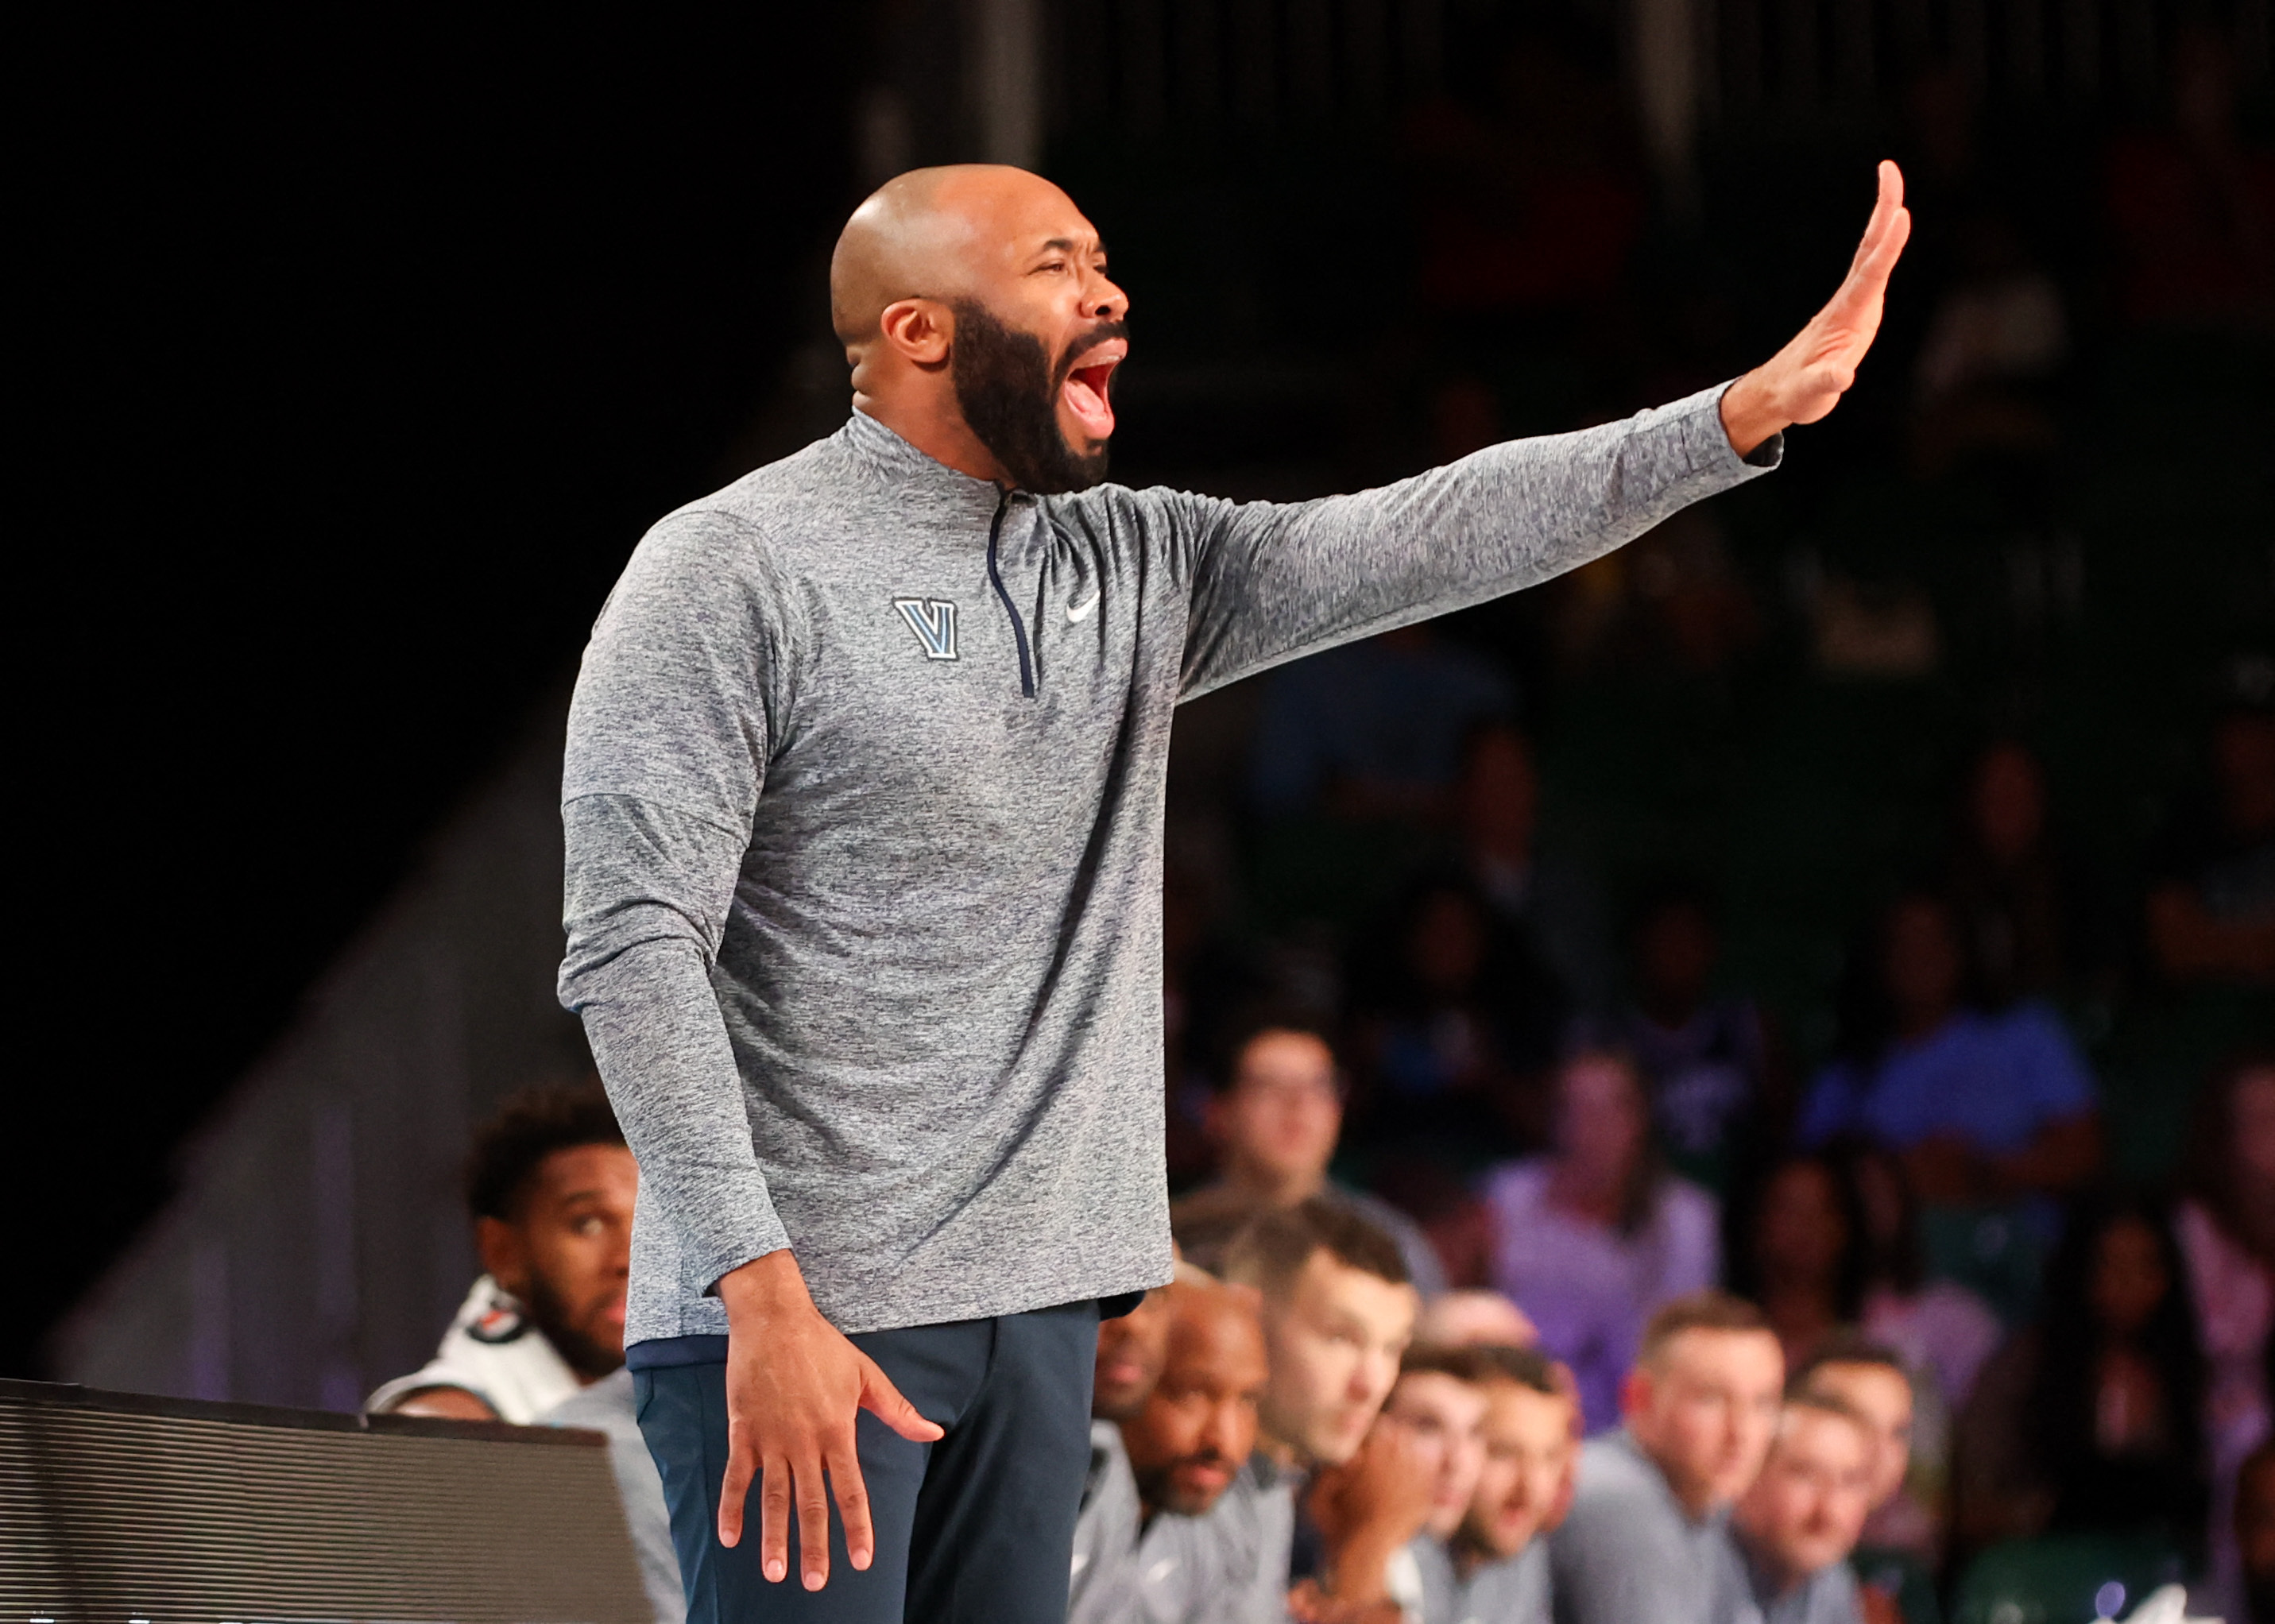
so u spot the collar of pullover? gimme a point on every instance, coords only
(895, 461)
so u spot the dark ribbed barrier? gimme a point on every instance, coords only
(117, 1508)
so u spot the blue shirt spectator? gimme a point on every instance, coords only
(1991, 1081)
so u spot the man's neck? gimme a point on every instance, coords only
(1696, 1503)
(1271, 1189)
(1778, 1577)
(937, 428)
(1286, 1456)
(1470, 1554)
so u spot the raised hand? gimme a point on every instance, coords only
(794, 1385)
(1806, 379)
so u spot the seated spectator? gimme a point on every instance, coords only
(550, 1184)
(1792, 1531)
(1644, 1543)
(1703, 1057)
(1338, 1314)
(1900, 1548)
(1938, 1326)
(609, 1407)
(2211, 911)
(1495, 1567)
(2092, 1420)
(1798, 1249)
(1988, 1111)
(1590, 1240)
(1131, 1350)
(2020, 909)
(2226, 1229)
(1431, 1434)
(1276, 1118)
(1373, 730)
(1187, 1444)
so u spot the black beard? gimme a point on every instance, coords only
(1009, 389)
(588, 1358)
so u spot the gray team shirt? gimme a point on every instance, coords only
(1102, 1582)
(1227, 1567)
(862, 804)
(1511, 1592)
(1826, 1597)
(1629, 1553)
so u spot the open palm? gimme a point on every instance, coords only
(1806, 379)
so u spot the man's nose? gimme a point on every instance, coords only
(1107, 302)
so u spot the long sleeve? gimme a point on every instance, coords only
(1272, 581)
(669, 738)
(648, 894)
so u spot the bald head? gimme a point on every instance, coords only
(932, 234)
(1200, 1423)
(975, 310)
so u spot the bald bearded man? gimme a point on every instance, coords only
(863, 807)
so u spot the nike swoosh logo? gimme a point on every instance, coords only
(1077, 612)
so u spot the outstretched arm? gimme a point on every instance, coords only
(1272, 581)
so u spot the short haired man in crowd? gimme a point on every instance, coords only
(1275, 1117)
(1793, 1530)
(1338, 1314)
(1131, 1350)
(1495, 1567)
(550, 1185)
(1644, 1543)
(1186, 1445)
(1870, 1379)
(1385, 1515)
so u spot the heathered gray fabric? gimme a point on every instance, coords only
(1826, 1597)
(1102, 1586)
(868, 941)
(1514, 1591)
(1229, 1566)
(1628, 1553)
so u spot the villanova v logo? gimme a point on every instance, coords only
(933, 621)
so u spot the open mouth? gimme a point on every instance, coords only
(1086, 390)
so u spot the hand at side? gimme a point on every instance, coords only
(1806, 379)
(794, 1385)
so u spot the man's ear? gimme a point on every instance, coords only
(505, 1254)
(921, 329)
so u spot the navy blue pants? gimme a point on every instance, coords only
(977, 1526)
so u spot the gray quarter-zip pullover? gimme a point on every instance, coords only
(864, 805)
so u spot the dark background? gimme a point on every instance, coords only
(361, 353)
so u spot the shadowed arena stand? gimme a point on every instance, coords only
(117, 1506)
